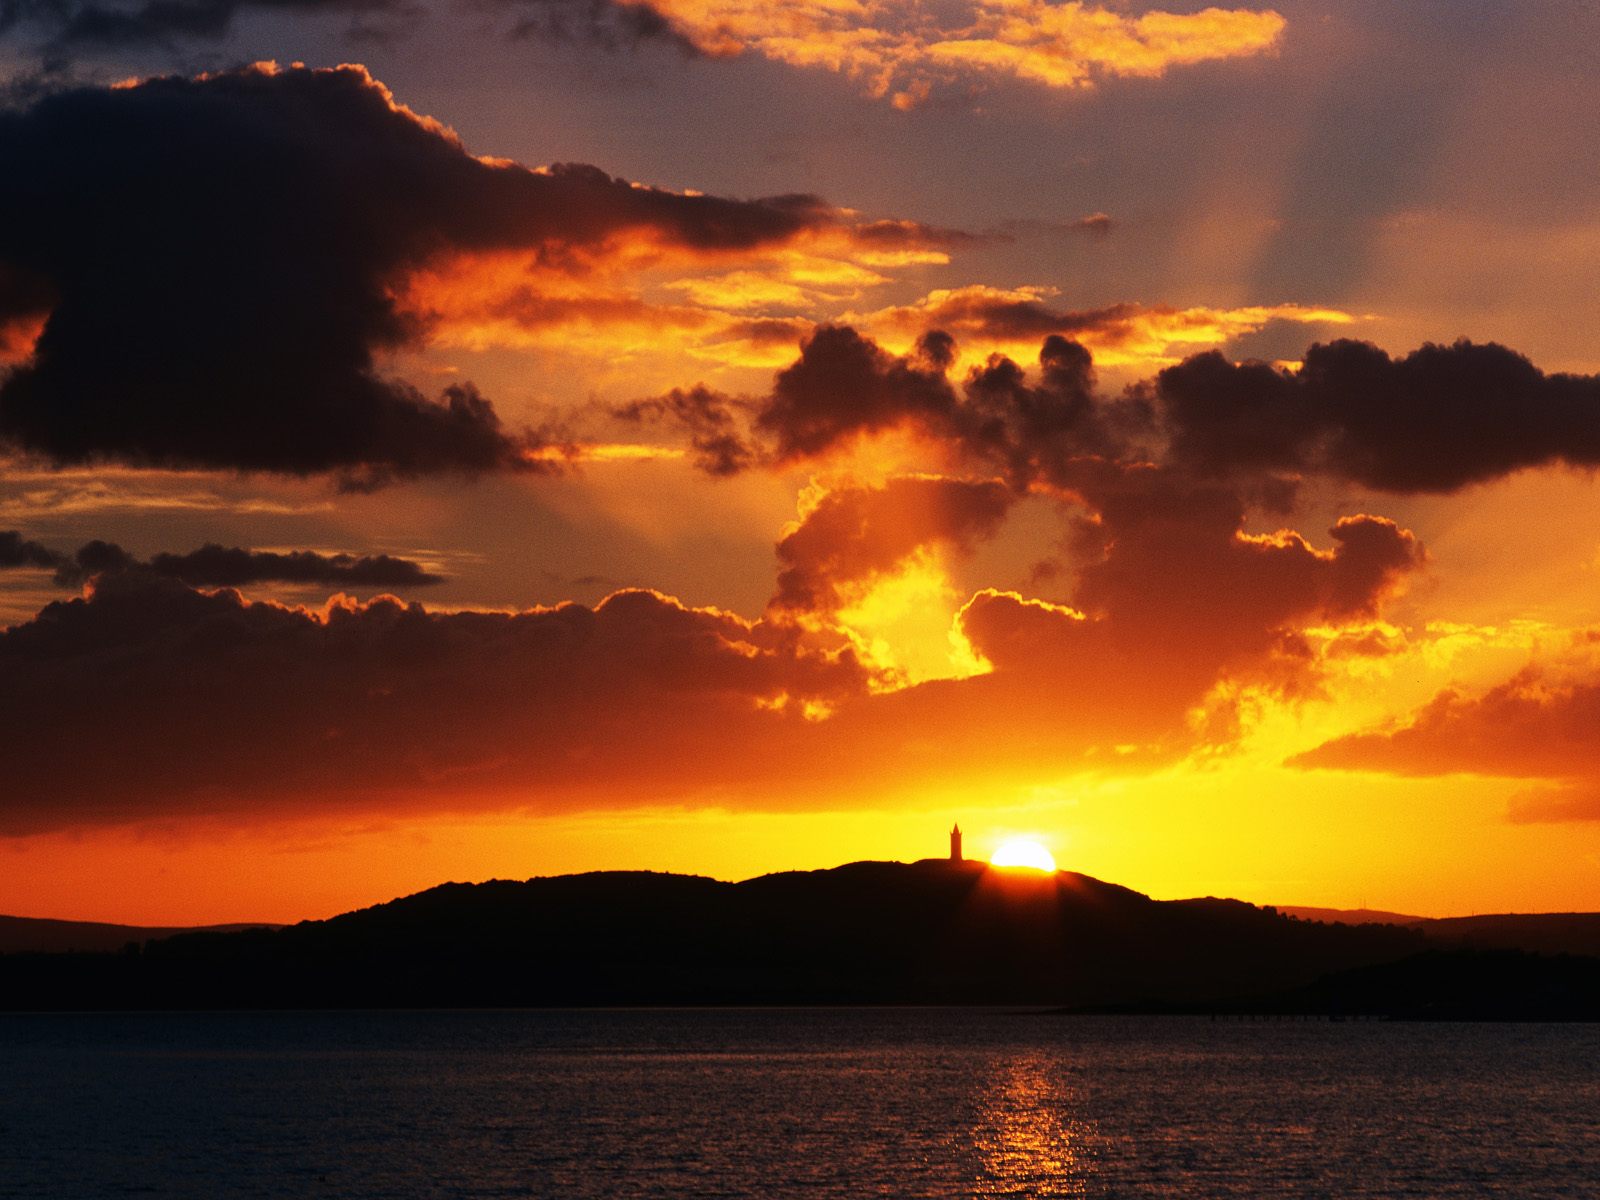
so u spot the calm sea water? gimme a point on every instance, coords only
(832, 1103)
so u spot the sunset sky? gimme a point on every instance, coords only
(454, 439)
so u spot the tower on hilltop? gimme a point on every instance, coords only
(955, 843)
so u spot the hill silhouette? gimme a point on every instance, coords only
(1350, 916)
(870, 932)
(1542, 933)
(39, 935)
(1455, 985)
(931, 932)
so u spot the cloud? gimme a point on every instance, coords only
(69, 25)
(213, 565)
(278, 216)
(644, 299)
(903, 51)
(1436, 420)
(1171, 570)
(25, 301)
(850, 535)
(1554, 805)
(202, 702)
(17, 551)
(604, 23)
(220, 566)
(844, 387)
(29, 492)
(1535, 725)
(711, 420)
(1181, 601)
(197, 702)
(1007, 319)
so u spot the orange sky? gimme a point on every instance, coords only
(1023, 416)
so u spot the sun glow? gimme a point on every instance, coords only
(1023, 852)
(904, 623)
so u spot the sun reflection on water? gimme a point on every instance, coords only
(1027, 1134)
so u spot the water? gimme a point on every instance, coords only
(769, 1104)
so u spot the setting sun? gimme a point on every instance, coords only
(1023, 852)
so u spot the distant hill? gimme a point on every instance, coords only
(1543, 933)
(1540, 933)
(1349, 916)
(33, 935)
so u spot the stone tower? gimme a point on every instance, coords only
(955, 843)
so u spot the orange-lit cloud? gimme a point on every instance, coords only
(280, 288)
(211, 704)
(901, 50)
(1539, 723)
(18, 335)
(989, 320)
(1555, 805)
(206, 703)
(851, 535)
(641, 297)
(869, 563)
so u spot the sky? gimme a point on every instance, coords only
(460, 439)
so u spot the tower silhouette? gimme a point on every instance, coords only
(955, 843)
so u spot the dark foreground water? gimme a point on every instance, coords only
(832, 1103)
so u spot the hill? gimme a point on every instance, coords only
(1455, 985)
(1538, 933)
(35, 935)
(872, 932)
(1349, 916)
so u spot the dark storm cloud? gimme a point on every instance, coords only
(1435, 420)
(220, 256)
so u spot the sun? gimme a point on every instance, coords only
(1023, 852)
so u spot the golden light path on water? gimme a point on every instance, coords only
(1028, 1137)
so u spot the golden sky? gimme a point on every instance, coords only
(725, 437)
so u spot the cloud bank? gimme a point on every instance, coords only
(213, 265)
